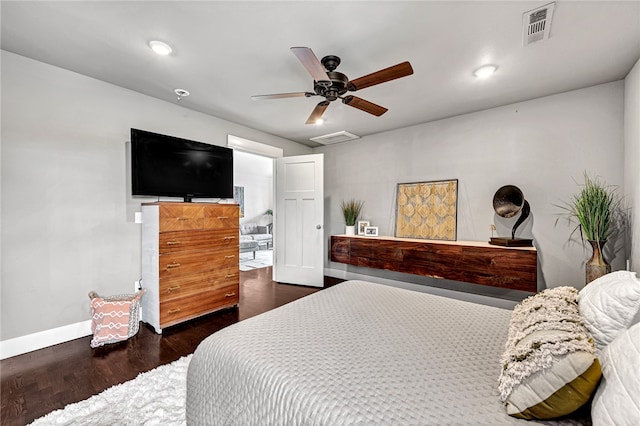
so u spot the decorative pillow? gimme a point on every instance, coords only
(549, 367)
(616, 401)
(609, 305)
(114, 318)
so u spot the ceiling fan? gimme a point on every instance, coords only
(333, 85)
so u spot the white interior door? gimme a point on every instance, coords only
(299, 220)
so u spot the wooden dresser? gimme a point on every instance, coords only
(189, 260)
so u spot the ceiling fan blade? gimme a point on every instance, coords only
(312, 64)
(282, 95)
(317, 112)
(366, 106)
(397, 71)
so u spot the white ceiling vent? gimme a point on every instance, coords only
(335, 138)
(536, 24)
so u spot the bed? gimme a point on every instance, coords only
(357, 353)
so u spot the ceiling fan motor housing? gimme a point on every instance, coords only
(338, 86)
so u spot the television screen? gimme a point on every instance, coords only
(173, 167)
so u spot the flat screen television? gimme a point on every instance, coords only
(173, 167)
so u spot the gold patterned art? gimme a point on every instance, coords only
(427, 210)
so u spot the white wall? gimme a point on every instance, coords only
(255, 174)
(542, 146)
(632, 160)
(67, 214)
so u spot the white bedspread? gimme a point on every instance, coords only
(354, 354)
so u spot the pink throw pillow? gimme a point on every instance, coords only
(114, 318)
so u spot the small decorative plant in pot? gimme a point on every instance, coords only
(351, 210)
(597, 213)
(269, 213)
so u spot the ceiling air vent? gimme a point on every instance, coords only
(536, 24)
(335, 138)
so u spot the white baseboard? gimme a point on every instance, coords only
(31, 342)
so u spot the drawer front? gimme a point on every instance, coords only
(180, 217)
(222, 217)
(181, 286)
(193, 262)
(197, 240)
(184, 308)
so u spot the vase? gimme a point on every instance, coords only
(597, 266)
(350, 230)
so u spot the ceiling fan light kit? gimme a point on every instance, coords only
(333, 85)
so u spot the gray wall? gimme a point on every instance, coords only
(632, 160)
(67, 214)
(542, 146)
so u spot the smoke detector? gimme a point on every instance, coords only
(335, 138)
(536, 24)
(181, 93)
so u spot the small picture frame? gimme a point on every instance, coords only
(361, 225)
(371, 231)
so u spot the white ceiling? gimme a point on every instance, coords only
(224, 52)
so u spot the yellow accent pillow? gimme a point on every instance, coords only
(549, 366)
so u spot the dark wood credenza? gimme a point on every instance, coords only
(468, 261)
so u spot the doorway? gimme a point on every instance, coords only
(253, 188)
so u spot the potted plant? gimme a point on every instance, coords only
(269, 213)
(597, 213)
(351, 210)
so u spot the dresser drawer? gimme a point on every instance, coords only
(222, 217)
(181, 286)
(184, 308)
(194, 262)
(181, 217)
(196, 240)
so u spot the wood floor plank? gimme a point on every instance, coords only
(45, 380)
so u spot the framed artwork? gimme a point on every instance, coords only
(238, 197)
(371, 231)
(361, 225)
(427, 210)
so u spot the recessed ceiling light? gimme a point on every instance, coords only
(485, 71)
(160, 48)
(319, 121)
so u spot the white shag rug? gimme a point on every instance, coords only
(156, 397)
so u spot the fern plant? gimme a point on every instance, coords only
(351, 210)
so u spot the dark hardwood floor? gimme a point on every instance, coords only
(45, 380)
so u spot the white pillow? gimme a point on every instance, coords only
(616, 401)
(609, 305)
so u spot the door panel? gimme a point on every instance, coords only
(299, 220)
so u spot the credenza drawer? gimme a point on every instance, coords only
(193, 262)
(184, 308)
(181, 286)
(176, 241)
